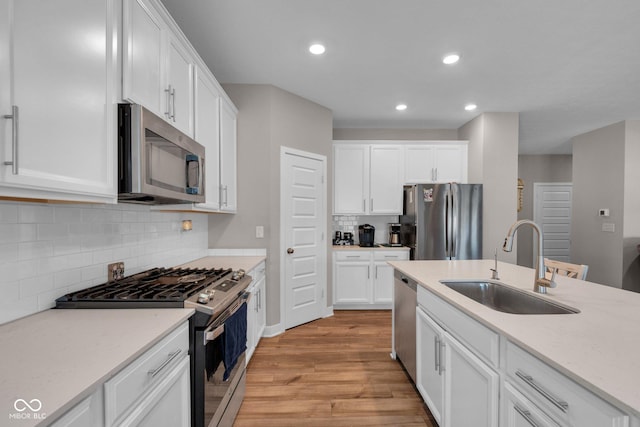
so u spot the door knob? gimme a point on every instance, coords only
(290, 250)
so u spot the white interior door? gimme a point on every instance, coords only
(552, 212)
(303, 228)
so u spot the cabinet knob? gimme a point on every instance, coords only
(290, 250)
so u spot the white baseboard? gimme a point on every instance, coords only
(273, 330)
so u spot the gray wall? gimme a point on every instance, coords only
(631, 238)
(395, 134)
(268, 119)
(532, 169)
(493, 161)
(599, 182)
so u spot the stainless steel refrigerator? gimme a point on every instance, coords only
(442, 221)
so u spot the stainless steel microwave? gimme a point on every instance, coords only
(157, 164)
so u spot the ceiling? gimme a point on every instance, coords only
(566, 66)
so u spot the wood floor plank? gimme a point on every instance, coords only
(333, 372)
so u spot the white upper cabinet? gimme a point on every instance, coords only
(442, 162)
(207, 133)
(228, 157)
(385, 180)
(350, 184)
(179, 87)
(367, 179)
(157, 67)
(57, 100)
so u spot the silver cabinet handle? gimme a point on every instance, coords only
(173, 104)
(368, 272)
(364, 205)
(560, 404)
(14, 139)
(353, 256)
(440, 364)
(376, 272)
(526, 415)
(436, 353)
(436, 172)
(391, 256)
(371, 205)
(154, 372)
(168, 112)
(226, 195)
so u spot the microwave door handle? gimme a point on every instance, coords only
(193, 187)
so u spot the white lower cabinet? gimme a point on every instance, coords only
(155, 388)
(256, 309)
(561, 399)
(518, 411)
(459, 388)
(469, 375)
(362, 279)
(89, 412)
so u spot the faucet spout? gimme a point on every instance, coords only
(541, 283)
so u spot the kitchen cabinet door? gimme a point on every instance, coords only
(89, 412)
(207, 133)
(383, 275)
(143, 57)
(352, 278)
(179, 86)
(451, 163)
(350, 185)
(385, 180)
(228, 157)
(419, 164)
(262, 308)
(58, 141)
(429, 368)
(471, 388)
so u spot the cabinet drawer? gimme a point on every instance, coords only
(352, 255)
(566, 400)
(132, 382)
(390, 255)
(482, 340)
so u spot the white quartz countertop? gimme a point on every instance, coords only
(246, 263)
(598, 348)
(62, 356)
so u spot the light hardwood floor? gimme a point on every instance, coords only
(331, 372)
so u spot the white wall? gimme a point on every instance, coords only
(48, 250)
(493, 161)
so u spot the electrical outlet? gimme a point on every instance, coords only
(115, 271)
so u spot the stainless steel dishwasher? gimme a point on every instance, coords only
(405, 300)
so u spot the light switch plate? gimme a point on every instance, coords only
(259, 232)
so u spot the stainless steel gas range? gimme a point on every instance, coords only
(217, 330)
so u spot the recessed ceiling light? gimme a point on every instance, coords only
(470, 107)
(452, 58)
(317, 49)
(401, 107)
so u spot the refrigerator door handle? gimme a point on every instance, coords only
(454, 217)
(447, 225)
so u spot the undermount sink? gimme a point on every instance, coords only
(500, 297)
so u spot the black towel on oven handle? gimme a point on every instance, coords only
(213, 357)
(235, 339)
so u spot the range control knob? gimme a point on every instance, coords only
(203, 298)
(237, 275)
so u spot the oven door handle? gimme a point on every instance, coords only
(217, 328)
(210, 335)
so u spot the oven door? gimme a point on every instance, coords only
(217, 400)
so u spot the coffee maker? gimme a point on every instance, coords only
(366, 234)
(394, 234)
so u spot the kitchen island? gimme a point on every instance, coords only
(596, 348)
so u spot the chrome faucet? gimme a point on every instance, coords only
(541, 283)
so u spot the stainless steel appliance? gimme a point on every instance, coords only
(442, 221)
(405, 300)
(394, 235)
(366, 235)
(157, 164)
(219, 298)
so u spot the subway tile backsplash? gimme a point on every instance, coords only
(48, 250)
(350, 223)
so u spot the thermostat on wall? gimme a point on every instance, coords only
(603, 212)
